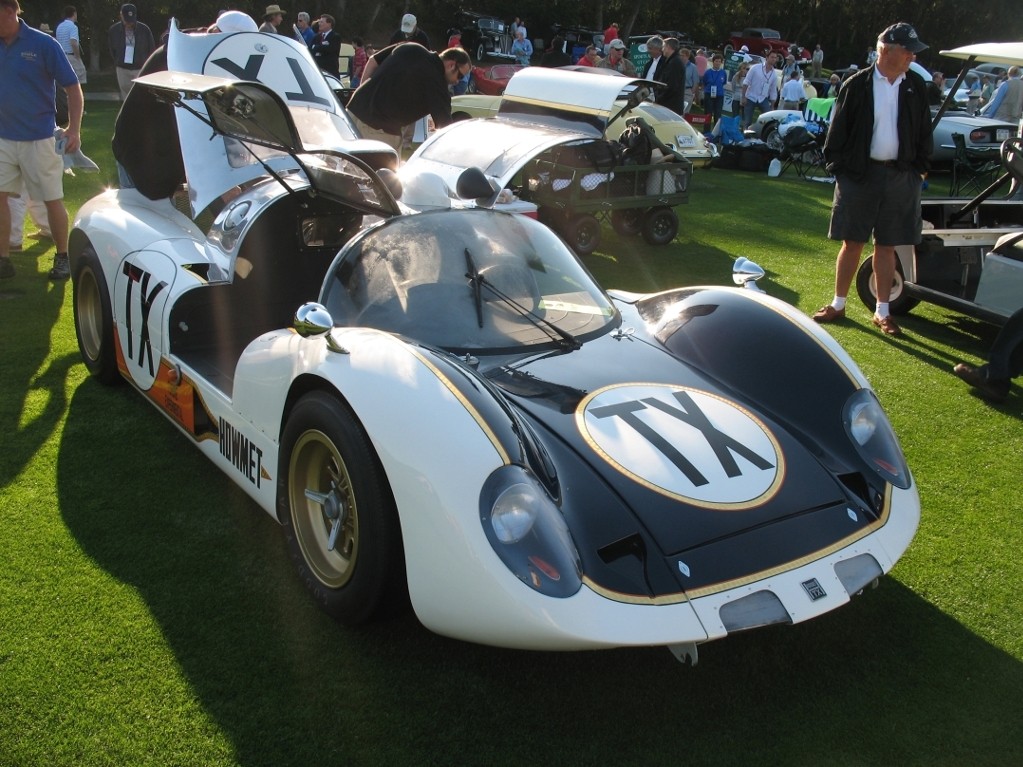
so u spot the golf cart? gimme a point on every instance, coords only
(970, 258)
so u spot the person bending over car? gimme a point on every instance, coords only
(402, 83)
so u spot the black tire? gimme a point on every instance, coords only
(628, 222)
(481, 52)
(898, 301)
(660, 225)
(553, 217)
(326, 453)
(94, 321)
(582, 233)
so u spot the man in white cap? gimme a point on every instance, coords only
(410, 32)
(616, 59)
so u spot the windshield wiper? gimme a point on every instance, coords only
(478, 281)
(475, 281)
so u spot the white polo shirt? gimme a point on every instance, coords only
(884, 142)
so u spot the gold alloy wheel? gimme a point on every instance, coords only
(324, 510)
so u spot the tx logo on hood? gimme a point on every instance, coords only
(685, 443)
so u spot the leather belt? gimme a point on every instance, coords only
(885, 163)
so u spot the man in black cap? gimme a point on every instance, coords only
(131, 43)
(879, 149)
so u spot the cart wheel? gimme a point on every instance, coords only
(660, 225)
(627, 222)
(866, 287)
(552, 217)
(582, 232)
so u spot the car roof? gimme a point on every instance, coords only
(996, 53)
(541, 108)
(556, 97)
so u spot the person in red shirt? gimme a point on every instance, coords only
(611, 33)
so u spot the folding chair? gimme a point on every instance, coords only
(970, 175)
(802, 151)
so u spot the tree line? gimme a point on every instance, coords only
(843, 29)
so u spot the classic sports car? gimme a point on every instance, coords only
(461, 413)
(669, 127)
(492, 80)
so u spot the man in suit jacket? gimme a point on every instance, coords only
(326, 46)
(654, 47)
(672, 72)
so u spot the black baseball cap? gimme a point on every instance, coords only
(903, 34)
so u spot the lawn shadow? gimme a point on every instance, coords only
(888, 679)
(29, 309)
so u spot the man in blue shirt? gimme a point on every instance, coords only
(32, 64)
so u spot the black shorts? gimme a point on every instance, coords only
(885, 204)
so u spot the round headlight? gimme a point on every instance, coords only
(514, 513)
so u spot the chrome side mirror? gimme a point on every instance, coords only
(746, 273)
(312, 320)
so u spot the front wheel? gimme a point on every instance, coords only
(866, 288)
(660, 225)
(337, 511)
(582, 232)
(94, 320)
(481, 52)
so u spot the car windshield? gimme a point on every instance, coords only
(467, 280)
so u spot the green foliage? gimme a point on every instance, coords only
(149, 614)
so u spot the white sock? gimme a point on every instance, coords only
(882, 309)
(838, 302)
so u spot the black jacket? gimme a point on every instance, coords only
(673, 73)
(326, 50)
(847, 147)
(408, 83)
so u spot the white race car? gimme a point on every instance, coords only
(446, 406)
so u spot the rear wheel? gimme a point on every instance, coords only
(481, 52)
(660, 225)
(628, 221)
(582, 232)
(337, 511)
(94, 321)
(866, 288)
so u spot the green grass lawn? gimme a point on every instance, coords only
(149, 614)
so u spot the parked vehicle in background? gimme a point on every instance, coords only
(756, 39)
(491, 80)
(669, 127)
(484, 35)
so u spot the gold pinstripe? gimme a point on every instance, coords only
(469, 408)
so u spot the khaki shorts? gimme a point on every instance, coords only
(374, 133)
(35, 164)
(79, 67)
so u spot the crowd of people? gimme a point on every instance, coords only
(878, 145)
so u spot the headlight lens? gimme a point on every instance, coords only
(514, 513)
(872, 435)
(529, 533)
